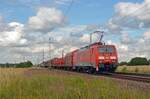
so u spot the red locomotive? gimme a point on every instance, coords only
(95, 57)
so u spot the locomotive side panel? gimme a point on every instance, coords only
(83, 57)
(94, 56)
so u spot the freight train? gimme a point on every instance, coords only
(96, 57)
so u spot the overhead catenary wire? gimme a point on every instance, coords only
(67, 11)
(63, 21)
(69, 7)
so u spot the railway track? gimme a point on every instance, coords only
(128, 76)
(134, 77)
(137, 74)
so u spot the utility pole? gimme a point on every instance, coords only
(24, 58)
(50, 49)
(37, 60)
(62, 54)
(43, 56)
(90, 38)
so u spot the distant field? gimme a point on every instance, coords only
(53, 84)
(134, 69)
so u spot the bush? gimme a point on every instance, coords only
(24, 64)
(17, 65)
(138, 61)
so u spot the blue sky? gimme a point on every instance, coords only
(82, 11)
(93, 11)
(27, 24)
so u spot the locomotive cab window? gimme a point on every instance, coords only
(106, 49)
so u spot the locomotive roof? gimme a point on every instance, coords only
(85, 47)
(97, 43)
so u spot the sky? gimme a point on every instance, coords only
(27, 25)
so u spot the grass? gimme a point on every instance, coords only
(39, 84)
(134, 69)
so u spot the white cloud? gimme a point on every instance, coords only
(13, 34)
(126, 39)
(62, 2)
(130, 16)
(146, 35)
(47, 19)
(85, 38)
(113, 27)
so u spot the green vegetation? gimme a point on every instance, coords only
(18, 65)
(136, 61)
(24, 64)
(135, 65)
(25, 84)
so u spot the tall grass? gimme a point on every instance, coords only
(134, 69)
(15, 84)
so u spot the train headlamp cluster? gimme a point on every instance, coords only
(101, 57)
(113, 57)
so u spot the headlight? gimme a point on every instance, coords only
(101, 57)
(113, 57)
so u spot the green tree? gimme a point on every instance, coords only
(29, 64)
(138, 61)
(24, 64)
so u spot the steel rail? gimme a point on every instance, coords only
(139, 78)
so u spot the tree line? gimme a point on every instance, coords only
(18, 65)
(136, 61)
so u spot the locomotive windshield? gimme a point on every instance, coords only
(106, 49)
